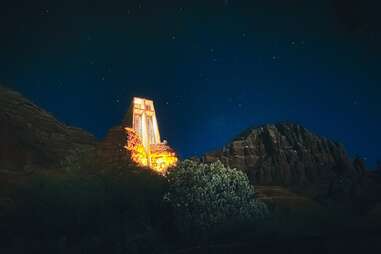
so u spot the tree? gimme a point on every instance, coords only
(206, 197)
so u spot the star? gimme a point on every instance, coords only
(275, 57)
(44, 12)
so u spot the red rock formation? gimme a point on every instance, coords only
(288, 154)
(31, 138)
(111, 151)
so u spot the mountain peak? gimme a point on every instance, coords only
(33, 138)
(288, 154)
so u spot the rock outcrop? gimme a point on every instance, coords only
(31, 138)
(289, 155)
(111, 151)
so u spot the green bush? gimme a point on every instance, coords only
(208, 197)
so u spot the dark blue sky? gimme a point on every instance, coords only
(214, 68)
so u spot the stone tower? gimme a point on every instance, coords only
(137, 140)
(144, 122)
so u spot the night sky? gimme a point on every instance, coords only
(213, 68)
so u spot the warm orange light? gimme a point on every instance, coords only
(144, 142)
(162, 157)
(159, 157)
(135, 146)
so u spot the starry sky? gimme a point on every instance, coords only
(213, 68)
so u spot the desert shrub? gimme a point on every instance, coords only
(208, 197)
(117, 211)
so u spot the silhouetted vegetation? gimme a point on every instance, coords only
(105, 212)
(84, 208)
(208, 198)
(87, 208)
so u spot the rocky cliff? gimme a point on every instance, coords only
(289, 155)
(31, 138)
(111, 151)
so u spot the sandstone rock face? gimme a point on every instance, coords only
(31, 138)
(289, 155)
(111, 151)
